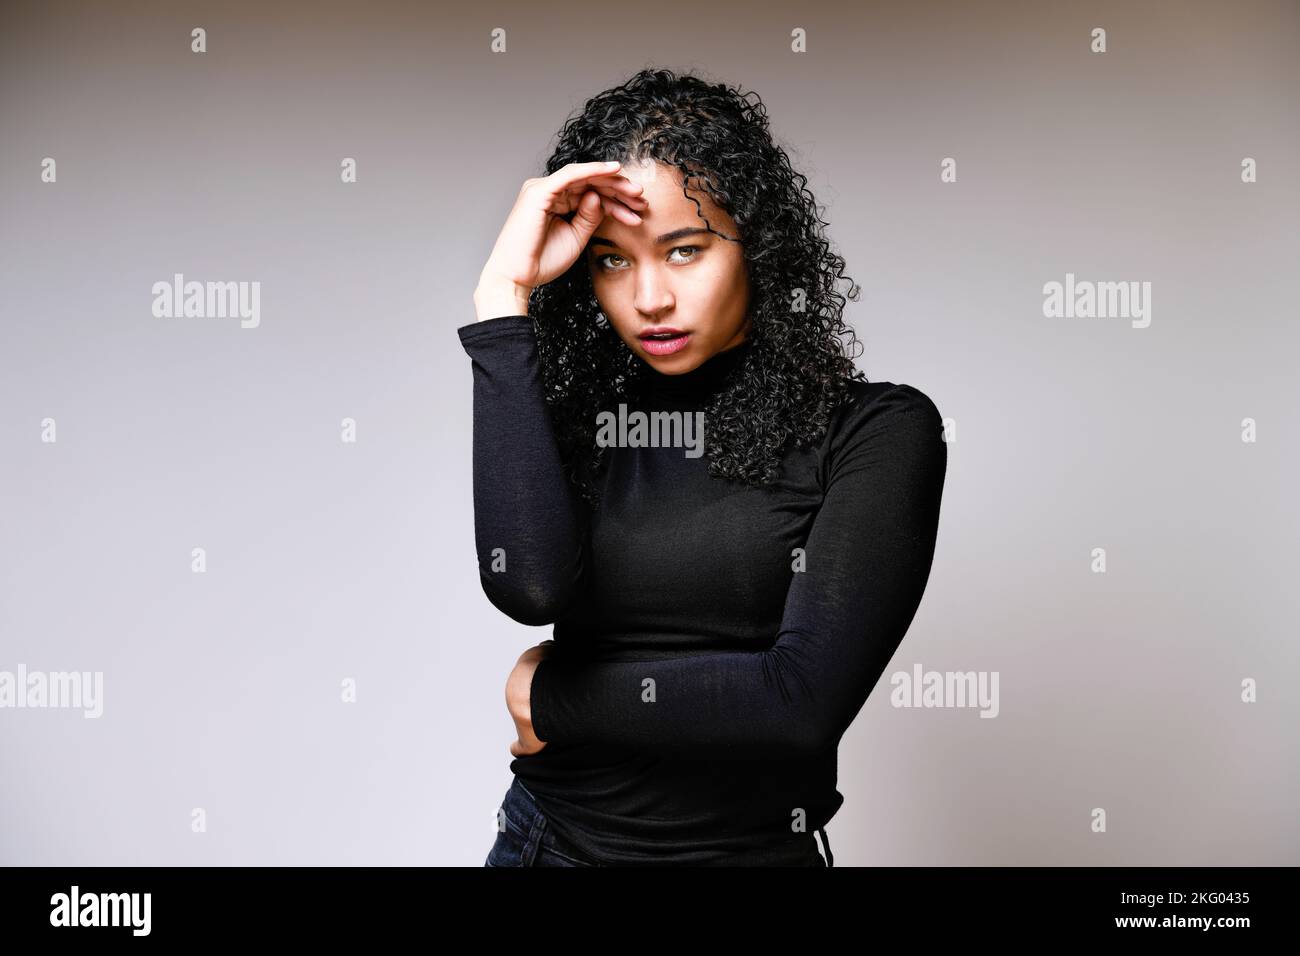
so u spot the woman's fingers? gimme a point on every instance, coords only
(620, 186)
(611, 184)
(614, 191)
(586, 218)
(617, 202)
(552, 220)
(620, 212)
(589, 214)
(565, 187)
(574, 173)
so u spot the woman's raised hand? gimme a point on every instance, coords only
(537, 244)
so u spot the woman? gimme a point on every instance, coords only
(719, 618)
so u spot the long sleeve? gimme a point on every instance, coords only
(868, 558)
(529, 527)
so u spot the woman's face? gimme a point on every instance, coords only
(670, 271)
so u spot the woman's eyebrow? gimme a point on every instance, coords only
(665, 238)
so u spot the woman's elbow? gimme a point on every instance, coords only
(531, 603)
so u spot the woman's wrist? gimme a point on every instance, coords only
(519, 692)
(519, 703)
(496, 298)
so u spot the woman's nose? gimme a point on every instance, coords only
(653, 292)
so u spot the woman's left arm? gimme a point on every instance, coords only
(868, 558)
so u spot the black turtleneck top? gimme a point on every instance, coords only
(713, 640)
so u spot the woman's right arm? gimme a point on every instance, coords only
(529, 526)
(529, 521)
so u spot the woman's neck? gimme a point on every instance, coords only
(698, 385)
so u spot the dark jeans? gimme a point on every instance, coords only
(528, 840)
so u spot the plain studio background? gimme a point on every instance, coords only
(330, 561)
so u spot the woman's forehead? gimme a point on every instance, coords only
(668, 207)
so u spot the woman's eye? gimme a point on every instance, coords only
(604, 265)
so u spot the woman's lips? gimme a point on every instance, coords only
(666, 346)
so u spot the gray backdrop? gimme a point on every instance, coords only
(330, 561)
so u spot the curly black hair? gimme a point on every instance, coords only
(799, 365)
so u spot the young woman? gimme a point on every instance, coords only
(719, 617)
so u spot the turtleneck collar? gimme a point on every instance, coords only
(701, 382)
